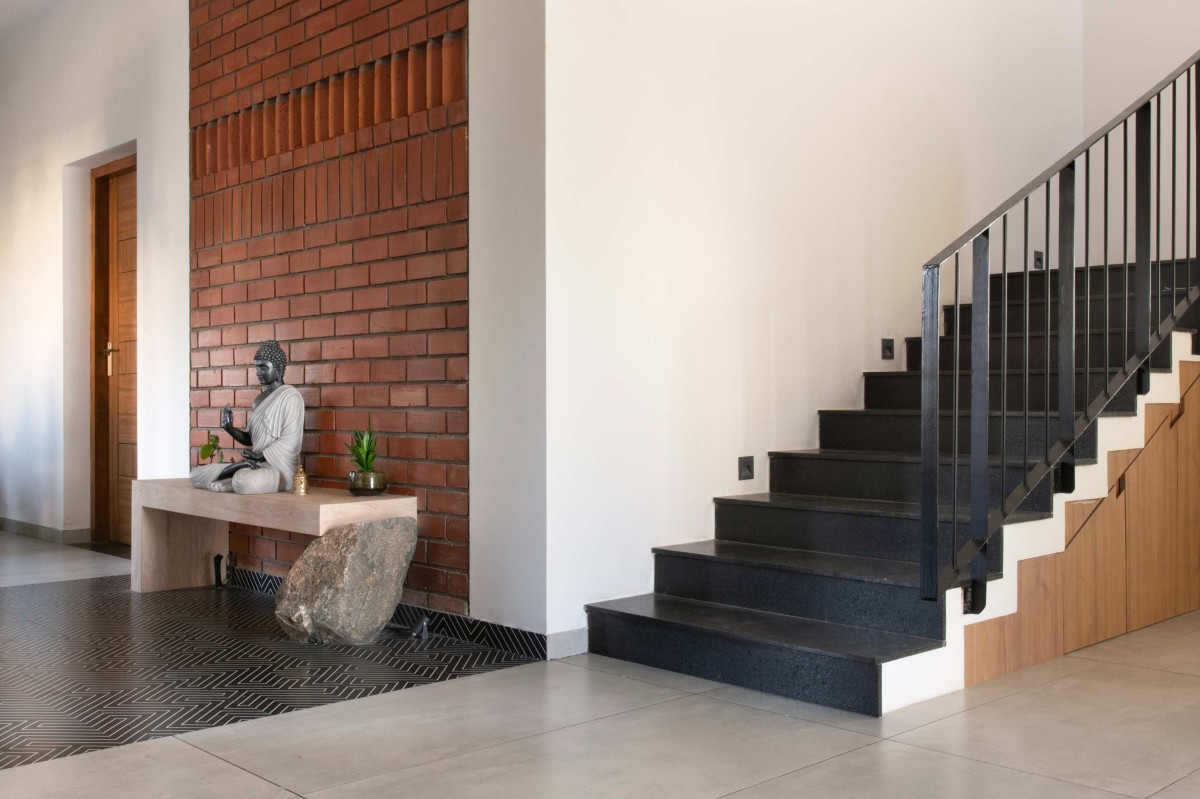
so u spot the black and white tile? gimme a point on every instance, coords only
(497, 636)
(88, 664)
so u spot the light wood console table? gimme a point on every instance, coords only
(178, 529)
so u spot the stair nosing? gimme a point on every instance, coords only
(854, 506)
(876, 661)
(914, 582)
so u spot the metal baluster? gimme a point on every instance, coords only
(1157, 287)
(1141, 235)
(1087, 281)
(1066, 323)
(1125, 240)
(1004, 359)
(954, 421)
(1046, 333)
(1107, 285)
(980, 307)
(1027, 311)
(1174, 198)
(930, 363)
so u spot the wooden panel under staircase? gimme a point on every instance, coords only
(1131, 560)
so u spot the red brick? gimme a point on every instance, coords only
(448, 449)
(427, 369)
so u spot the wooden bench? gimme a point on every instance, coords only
(178, 529)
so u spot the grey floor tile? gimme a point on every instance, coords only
(1173, 645)
(1186, 788)
(27, 561)
(913, 716)
(152, 770)
(366, 737)
(692, 748)
(1113, 727)
(636, 671)
(888, 769)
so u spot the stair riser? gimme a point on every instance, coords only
(895, 481)
(903, 434)
(868, 536)
(843, 601)
(822, 679)
(1167, 277)
(1094, 357)
(890, 538)
(902, 391)
(1117, 308)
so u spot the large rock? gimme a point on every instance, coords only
(346, 585)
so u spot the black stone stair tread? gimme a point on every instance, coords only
(965, 412)
(997, 372)
(859, 507)
(771, 629)
(880, 456)
(876, 456)
(828, 564)
(1020, 334)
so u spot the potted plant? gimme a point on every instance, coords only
(212, 450)
(365, 481)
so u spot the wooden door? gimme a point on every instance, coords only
(114, 345)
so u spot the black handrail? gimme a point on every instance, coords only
(1069, 158)
(993, 497)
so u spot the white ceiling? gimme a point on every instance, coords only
(14, 12)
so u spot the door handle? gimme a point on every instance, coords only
(108, 351)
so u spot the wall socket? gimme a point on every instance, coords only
(746, 467)
(888, 353)
(1039, 260)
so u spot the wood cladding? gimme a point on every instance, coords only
(1093, 578)
(1131, 559)
(401, 84)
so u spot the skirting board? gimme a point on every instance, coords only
(464, 628)
(52, 534)
(567, 643)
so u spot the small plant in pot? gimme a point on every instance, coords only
(365, 481)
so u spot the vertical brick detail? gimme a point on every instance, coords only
(329, 211)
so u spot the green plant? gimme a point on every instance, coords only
(363, 449)
(212, 449)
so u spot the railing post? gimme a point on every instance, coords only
(1066, 322)
(930, 386)
(1141, 235)
(980, 339)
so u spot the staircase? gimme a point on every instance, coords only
(814, 590)
(807, 591)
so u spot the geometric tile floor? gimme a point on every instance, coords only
(87, 664)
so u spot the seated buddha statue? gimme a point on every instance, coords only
(274, 434)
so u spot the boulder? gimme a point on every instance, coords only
(346, 585)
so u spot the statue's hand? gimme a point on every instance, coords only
(227, 417)
(253, 457)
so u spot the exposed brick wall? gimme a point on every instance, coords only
(329, 211)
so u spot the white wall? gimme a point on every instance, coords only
(738, 205)
(508, 313)
(1128, 47)
(83, 83)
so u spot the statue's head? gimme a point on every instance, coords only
(270, 363)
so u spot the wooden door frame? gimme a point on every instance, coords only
(101, 266)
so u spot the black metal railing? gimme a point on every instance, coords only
(967, 493)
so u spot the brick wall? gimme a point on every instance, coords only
(329, 211)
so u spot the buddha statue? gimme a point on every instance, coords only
(274, 434)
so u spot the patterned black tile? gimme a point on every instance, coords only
(497, 636)
(87, 664)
